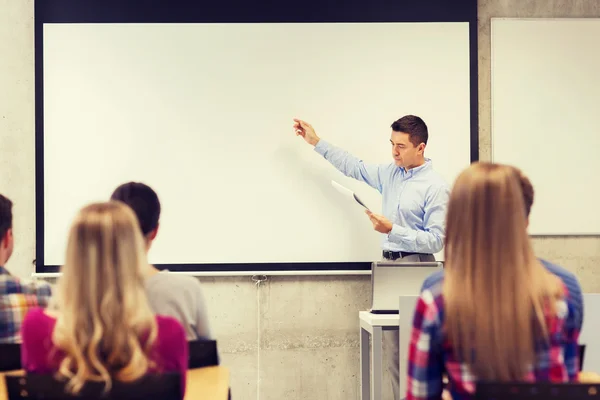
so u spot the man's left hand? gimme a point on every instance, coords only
(380, 223)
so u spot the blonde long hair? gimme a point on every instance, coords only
(104, 327)
(496, 293)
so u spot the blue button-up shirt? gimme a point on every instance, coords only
(415, 201)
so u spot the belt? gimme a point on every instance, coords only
(394, 255)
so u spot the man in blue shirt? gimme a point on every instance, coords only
(415, 198)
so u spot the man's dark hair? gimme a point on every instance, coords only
(415, 128)
(143, 201)
(527, 189)
(5, 215)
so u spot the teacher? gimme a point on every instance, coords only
(415, 199)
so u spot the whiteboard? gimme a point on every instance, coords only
(203, 114)
(545, 109)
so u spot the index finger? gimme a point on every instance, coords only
(302, 123)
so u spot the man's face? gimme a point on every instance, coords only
(404, 152)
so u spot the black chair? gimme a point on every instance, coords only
(10, 357)
(203, 353)
(35, 386)
(536, 391)
(581, 355)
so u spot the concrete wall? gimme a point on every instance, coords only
(298, 335)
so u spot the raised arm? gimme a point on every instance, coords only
(343, 161)
(570, 342)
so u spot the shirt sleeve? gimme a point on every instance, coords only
(36, 336)
(174, 348)
(36, 293)
(425, 360)
(182, 359)
(44, 293)
(352, 166)
(430, 239)
(202, 324)
(578, 305)
(570, 345)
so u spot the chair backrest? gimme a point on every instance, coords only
(536, 391)
(203, 353)
(581, 356)
(10, 357)
(35, 386)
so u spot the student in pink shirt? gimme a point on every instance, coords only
(99, 325)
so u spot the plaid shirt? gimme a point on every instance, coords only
(431, 355)
(16, 299)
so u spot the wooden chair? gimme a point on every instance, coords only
(37, 387)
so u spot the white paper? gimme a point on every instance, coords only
(348, 193)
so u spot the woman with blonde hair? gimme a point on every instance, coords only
(495, 313)
(100, 327)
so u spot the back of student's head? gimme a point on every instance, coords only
(103, 309)
(526, 188)
(143, 201)
(6, 221)
(492, 275)
(5, 215)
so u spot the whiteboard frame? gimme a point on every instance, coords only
(187, 11)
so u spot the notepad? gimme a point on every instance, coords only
(348, 193)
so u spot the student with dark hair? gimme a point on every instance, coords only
(17, 296)
(568, 278)
(169, 294)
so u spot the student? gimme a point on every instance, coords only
(575, 294)
(472, 324)
(100, 326)
(568, 278)
(17, 296)
(169, 294)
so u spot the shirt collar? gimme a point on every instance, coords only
(3, 271)
(413, 171)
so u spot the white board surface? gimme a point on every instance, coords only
(203, 114)
(545, 110)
